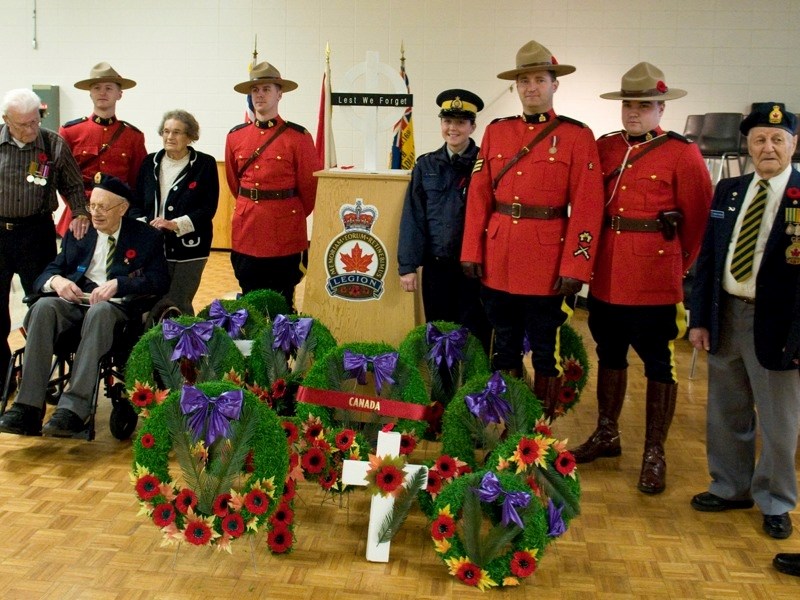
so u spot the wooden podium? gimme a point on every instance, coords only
(352, 284)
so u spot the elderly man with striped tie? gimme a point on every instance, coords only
(119, 256)
(742, 305)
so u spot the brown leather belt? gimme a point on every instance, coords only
(617, 223)
(255, 194)
(744, 299)
(526, 211)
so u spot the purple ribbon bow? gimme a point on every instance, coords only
(191, 338)
(210, 415)
(491, 489)
(289, 335)
(230, 322)
(446, 345)
(555, 522)
(383, 365)
(489, 405)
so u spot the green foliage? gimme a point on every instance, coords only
(267, 303)
(397, 516)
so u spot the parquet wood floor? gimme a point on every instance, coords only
(71, 529)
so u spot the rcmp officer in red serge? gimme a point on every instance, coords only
(269, 165)
(658, 192)
(531, 256)
(743, 309)
(101, 142)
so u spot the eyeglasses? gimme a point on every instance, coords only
(97, 208)
(29, 125)
(169, 132)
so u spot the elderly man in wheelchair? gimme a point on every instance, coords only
(94, 284)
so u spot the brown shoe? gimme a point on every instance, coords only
(653, 477)
(604, 442)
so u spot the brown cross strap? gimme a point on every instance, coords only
(525, 149)
(649, 148)
(259, 150)
(82, 164)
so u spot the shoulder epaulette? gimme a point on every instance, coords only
(609, 134)
(564, 119)
(677, 136)
(498, 119)
(239, 126)
(296, 127)
(126, 124)
(75, 121)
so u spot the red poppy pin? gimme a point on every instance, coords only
(662, 87)
(553, 59)
(192, 185)
(793, 193)
(42, 157)
(130, 254)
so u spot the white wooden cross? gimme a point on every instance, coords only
(354, 472)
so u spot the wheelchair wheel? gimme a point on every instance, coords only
(123, 419)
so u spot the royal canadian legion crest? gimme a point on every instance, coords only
(355, 259)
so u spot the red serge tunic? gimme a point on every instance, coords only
(123, 158)
(271, 227)
(526, 256)
(642, 268)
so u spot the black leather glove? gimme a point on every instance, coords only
(472, 270)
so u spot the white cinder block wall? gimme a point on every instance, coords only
(189, 54)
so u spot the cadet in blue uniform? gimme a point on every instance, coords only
(432, 225)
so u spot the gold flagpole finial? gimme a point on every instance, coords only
(328, 53)
(255, 50)
(402, 52)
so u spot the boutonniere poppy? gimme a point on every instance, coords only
(130, 254)
(42, 157)
(793, 193)
(192, 185)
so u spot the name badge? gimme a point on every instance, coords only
(717, 214)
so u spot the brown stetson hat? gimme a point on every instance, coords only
(101, 73)
(644, 82)
(535, 57)
(264, 73)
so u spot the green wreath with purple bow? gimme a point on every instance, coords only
(268, 303)
(519, 529)
(233, 459)
(401, 394)
(282, 355)
(239, 318)
(486, 408)
(184, 350)
(447, 356)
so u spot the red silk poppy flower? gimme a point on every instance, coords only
(523, 564)
(283, 514)
(389, 478)
(313, 431)
(446, 466)
(233, 525)
(186, 499)
(344, 439)
(289, 490)
(314, 460)
(192, 185)
(290, 429)
(256, 501)
(147, 487)
(565, 463)
(164, 514)
(142, 396)
(662, 87)
(573, 370)
(130, 253)
(220, 507)
(279, 539)
(793, 193)
(148, 441)
(407, 444)
(434, 482)
(443, 527)
(469, 573)
(42, 157)
(329, 479)
(197, 532)
(566, 395)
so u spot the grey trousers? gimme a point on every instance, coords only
(744, 398)
(50, 317)
(185, 278)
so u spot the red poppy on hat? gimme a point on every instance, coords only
(662, 87)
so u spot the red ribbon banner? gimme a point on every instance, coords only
(372, 404)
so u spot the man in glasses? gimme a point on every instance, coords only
(118, 257)
(34, 164)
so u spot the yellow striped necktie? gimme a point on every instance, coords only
(742, 261)
(112, 246)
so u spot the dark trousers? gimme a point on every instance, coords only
(514, 315)
(448, 295)
(649, 330)
(25, 250)
(278, 273)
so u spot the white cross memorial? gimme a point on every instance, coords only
(354, 472)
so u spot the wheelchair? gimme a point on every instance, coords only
(110, 375)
